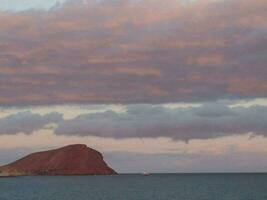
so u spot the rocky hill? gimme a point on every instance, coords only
(70, 160)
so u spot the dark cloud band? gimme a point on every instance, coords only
(205, 122)
(212, 120)
(27, 122)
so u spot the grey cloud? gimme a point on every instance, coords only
(27, 122)
(122, 52)
(211, 120)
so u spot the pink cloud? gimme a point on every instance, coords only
(134, 52)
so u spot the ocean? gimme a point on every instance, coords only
(137, 187)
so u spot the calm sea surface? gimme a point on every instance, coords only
(137, 187)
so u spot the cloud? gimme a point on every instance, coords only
(27, 122)
(146, 51)
(211, 120)
(206, 121)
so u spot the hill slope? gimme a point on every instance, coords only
(70, 160)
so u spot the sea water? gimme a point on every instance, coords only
(137, 187)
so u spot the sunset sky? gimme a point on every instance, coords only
(158, 86)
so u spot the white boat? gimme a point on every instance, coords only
(145, 174)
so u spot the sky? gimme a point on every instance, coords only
(158, 86)
(17, 5)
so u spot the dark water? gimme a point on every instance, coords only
(136, 187)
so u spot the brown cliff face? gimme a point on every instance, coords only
(70, 160)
